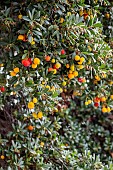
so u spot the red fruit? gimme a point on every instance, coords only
(2, 89)
(80, 80)
(96, 104)
(26, 62)
(29, 59)
(63, 52)
(54, 66)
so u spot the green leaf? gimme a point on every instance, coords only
(98, 24)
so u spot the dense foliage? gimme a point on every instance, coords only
(56, 85)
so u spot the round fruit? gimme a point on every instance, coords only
(47, 58)
(36, 61)
(63, 52)
(77, 58)
(70, 76)
(21, 37)
(16, 70)
(35, 100)
(2, 89)
(26, 63)
(30, 105)
(96, 104)
(30, 127)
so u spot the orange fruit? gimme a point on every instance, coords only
(70, 76)
(30, 127)
(47, 58)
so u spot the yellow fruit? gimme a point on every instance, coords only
(104, 109)
(97, 78)
(81, 12)
(86, 103)
(107, 15)
(80, 67)
(80, 63)
(61, 20)
(89, 48)
(35, 100)
(20, 16)
(67, 66)
(30, 105)
(42, 144)
(40, 115)
(77, 58)
(61, 90)
(68, 13)
(70, 76)
(70, 71)
(75, 73)
(72, 67)
(82, 59)
(91, 17)
(54, 71)
(36, 61)
(64, 83)
(12, 73)
(2, 157)
(16, 70)
(89, 101)
(57, 65)
(32, 42)
(108, 109)
(111, 96)
(34, 65)
(1, 65)
(35, 115)
(53, 60)
(48, 87)
(103, 99)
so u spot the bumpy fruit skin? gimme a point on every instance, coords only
(63, 52)
(2, 89)
(26, 62)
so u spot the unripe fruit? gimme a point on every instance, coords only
(20, 16)
(64, 83)
(53, 60)
(35, 100)
(77, 58)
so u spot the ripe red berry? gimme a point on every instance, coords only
(26, 62)
(29, 59)
(63, 52)
(96, 104)
(80, 80)
(2, 89)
